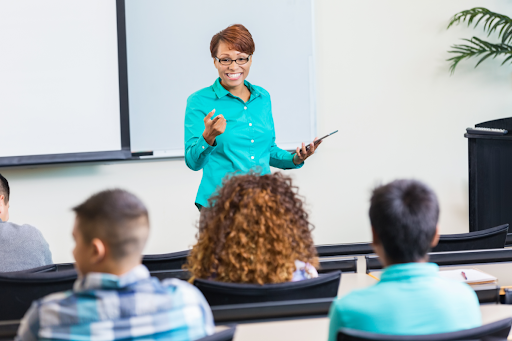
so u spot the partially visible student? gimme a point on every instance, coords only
(114, 297)
(411, 298)
(256, 231)
(21, 246)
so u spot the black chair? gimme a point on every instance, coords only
(493, 238)
(164, 274)
(48, 268)
(495, 331)
(344, 249)
(344, 264)
(225, 335)
(166, 261)
(18, 290)
(220, 293)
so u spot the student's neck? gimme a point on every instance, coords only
(115, 267)
(422, 260)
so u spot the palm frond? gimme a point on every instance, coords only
(492, 22)
(478, 47)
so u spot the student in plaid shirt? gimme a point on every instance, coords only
(114, 297)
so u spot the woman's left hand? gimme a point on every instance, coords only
(301, 154)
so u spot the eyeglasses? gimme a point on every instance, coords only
(228, 61)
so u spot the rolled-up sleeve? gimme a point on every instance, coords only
(197, 150)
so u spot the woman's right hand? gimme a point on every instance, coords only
(213, 128)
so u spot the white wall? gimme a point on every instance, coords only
(382, 79)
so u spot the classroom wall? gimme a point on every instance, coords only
(382, 80)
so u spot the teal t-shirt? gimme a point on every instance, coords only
(410, 299)
(247, 143)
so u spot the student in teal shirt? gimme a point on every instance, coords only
(229, 126)
(410, 298)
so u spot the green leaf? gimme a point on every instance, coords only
(492, 22)
(476, 47)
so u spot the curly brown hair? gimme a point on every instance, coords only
(255, 229)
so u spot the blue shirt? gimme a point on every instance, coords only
(247, 143)
(410, 299)
(134, 306)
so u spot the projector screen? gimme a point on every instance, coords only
(63, 86)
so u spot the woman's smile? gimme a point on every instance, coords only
(234, 76)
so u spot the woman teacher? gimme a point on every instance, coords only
(229, 125)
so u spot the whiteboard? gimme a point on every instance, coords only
(168, 49)
(60, 81)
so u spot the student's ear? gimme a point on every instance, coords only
(4, 209)
(435, 240)
(375, 238)
(98, 251)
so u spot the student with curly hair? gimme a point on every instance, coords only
(256, 231)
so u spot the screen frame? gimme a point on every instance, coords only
(125, 152)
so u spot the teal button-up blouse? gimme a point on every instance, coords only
(247, 143)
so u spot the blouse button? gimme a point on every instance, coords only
(245, 108)
(252, 157)
(252, 141)
(203, 147)
(250, 124)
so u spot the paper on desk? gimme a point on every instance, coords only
(474, 276)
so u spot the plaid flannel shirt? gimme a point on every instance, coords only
(134, 306)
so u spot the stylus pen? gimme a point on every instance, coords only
(464, 275)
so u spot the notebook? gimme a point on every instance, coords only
(474, 276)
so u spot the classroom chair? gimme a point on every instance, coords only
(48, 268)
(19, 289)
(221, 293)
(495, 331)
(166, 261)
(493, 238)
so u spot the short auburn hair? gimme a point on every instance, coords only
(236, 36)
(253, 232)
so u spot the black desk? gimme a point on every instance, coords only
(238, 313)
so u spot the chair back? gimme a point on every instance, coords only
(498, 330)
(18, 290)
(493, 238)
(49, 268)
(224, 335)
(220, 293)
(166, 261)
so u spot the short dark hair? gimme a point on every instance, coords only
(404, 215)
(4, 188)
(116, 217)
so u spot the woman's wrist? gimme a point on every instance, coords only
(296, 160)
(209, 138)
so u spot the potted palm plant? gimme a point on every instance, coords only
(475, 47)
